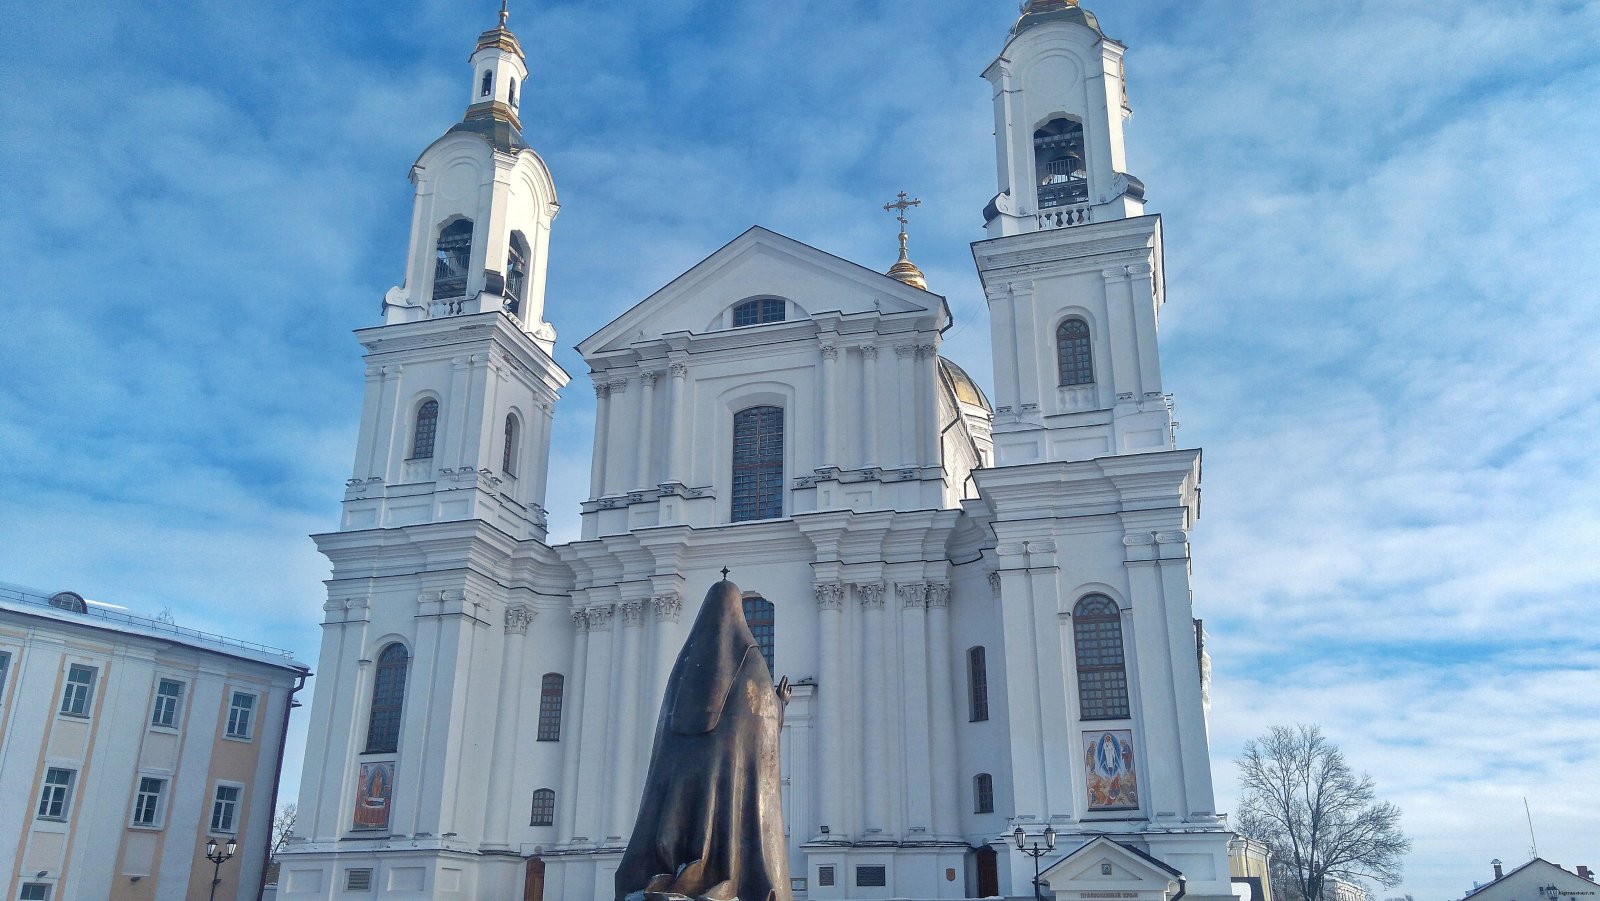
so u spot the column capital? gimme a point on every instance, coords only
(830, 595)
(938, 595)
(905, 350)
(994, 581)
(668, 606)
(618, 385)
(602, 389)
(870, 594)
(679, 370)
(912, 594)
(580, 620)
(632, 613)
(648, 379)
(830, 352)
(599, 617)
(869, 351)
(518, 618)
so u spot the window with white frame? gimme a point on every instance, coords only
(5, 668)
(241, 715)
(55, 801)
(77, 695)
(150, 802)
(35, 891)
(169, 702)
(225, 808)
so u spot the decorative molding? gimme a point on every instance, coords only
(870, 593)
(830, 352)
(905, 350)
(632, 613)
(602, 389)
(580, 619)
(648, 379)
(373, 372)
(938, 595)
(994, 581)
(924, 351)
(1138, 539)
(619, 386)
(1178, 537)
(518, 618)
(668, 606)
(680, 370)
(830, 595)
(869, 351)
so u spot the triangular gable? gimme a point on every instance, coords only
(1106, 869)
(761, 263)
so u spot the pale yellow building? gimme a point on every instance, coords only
(125, 743)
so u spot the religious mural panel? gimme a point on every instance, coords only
(1108, 765)
(373, 794)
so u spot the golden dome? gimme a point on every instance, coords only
(1037, 12)
(906, 271)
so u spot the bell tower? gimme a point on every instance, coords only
(1090, 500)
(461, 386)
(1073, 268)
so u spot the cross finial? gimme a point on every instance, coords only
(899, 207)
(724, 574)
(504, 12)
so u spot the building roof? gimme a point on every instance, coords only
(103, 617)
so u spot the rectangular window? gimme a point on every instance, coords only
(5, 667)
(225, 808)
(35, 891)
(78, 694)
(872, 877)
(169, 700)
(55, 801)
(147, 803)
(824, 875)
(241, 714)
(757, 464)
(358, 880)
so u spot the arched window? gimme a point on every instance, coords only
(760, 614)
(69, 600)
(550, 706)
(759, 311)
(977, 685)
(508, 463)
(452, 256)
(1102, 675)
(388, 697)
(516, 274)
(544, 808)
(1059, 161)
(511, 93)
(427, 429)
(486, 87)
(983, 793)
(1073, 355)
(758, 463)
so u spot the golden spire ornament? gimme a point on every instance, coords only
(505, 12)
(904, 270)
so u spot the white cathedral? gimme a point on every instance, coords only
(985, 609)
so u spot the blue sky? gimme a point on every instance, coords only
(1381, 326)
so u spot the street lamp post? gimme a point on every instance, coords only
(218, 858)
(1035, 851)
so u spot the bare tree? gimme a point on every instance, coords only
(1317, 815)
(282, 829)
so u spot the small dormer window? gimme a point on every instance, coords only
(511, 93)
(486, 87)
(759, 312)
(1060, 163)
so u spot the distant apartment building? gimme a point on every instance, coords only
(125, 744)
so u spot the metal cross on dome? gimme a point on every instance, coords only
(900, 206)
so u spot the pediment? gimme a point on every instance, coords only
(763, 263)
(1106, 870)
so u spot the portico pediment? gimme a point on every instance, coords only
(764, 264)
(1106, 870)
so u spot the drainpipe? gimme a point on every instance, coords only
(277, 774)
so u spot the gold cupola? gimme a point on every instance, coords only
(1037, 12)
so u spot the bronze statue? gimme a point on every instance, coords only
(710, 825)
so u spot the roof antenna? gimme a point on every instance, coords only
(1533, 851)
